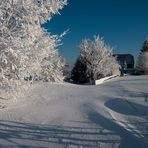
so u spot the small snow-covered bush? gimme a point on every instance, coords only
(95, 61)
(27, 51)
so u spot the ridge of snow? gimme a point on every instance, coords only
(102, 80)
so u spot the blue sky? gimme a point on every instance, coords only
(122, 23)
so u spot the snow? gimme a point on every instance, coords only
(111, 115)
(102, 80)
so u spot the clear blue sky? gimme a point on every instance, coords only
(122, 23)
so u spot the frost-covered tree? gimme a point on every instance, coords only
(95, 61)
(142, 64)
(27, 51)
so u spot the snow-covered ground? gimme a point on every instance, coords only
(110, 115)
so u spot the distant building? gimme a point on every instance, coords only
(126, 61)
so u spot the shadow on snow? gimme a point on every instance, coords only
(25, 135)
(126, 107)
(128, 139)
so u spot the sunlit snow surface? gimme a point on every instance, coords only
(110, 115)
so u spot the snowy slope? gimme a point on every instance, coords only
(111, 115)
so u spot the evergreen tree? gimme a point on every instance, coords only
(79, 72)
(145, 46)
